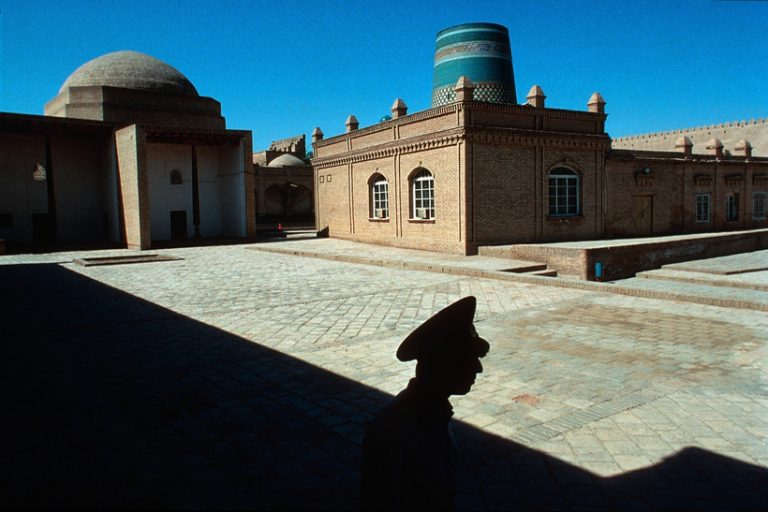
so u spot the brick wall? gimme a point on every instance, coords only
(634, 196)
(670, 188)
(505, 199)
(395, 150)
(333, 200)
(589, 166)
(492, 181)
(130, 143)
(345, 202)
(446, 232)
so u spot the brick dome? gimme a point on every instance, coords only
(131, 70)
(287, 160)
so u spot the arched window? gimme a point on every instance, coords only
(176, 178)
(564, 192)
(379, 188)
(423, 195)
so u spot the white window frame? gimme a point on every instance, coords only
(703, 207)
(423, 195)
(564, 188)
(759, 205)
(732, 207)
(380, 198)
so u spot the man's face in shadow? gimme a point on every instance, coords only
(454, 373)
(464, 372)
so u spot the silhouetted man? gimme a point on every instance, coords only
(408, 450)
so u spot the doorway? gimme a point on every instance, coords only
(179, 225)
(643, 215)
(43, 230)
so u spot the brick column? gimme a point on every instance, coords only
(133, 183)
(195, 194)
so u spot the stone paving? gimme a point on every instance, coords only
(238, 378)
(734, 264)
(614, 242)
(757, 280)
(739, 280)
(702, 287)
(343, 250)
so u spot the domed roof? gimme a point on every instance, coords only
(131, 70)
(287, 160)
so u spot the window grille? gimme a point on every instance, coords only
(380, 198)
(423, 186)
(703, 210)
(759, 200)
(732, 207)
(564, 193)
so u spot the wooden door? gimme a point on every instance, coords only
(643, 215)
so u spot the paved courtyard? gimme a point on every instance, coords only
(235, 378)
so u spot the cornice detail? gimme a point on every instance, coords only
(387, 125)
(529, 110)
(439, 140)
(479, 106)
(493, 136)
(531, 138)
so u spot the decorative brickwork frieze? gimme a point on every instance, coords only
(645, 180)
(448, 138)
(702, 180)
(512, 137)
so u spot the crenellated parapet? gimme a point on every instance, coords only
(731, 134)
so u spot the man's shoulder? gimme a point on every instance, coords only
(400, 411)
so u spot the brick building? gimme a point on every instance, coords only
(479, 169)
(283, 183)
(128, 154)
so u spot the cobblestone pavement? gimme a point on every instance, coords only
(235, 378)
(372, 252)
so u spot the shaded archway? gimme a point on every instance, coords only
(301, 200)
(274, 201)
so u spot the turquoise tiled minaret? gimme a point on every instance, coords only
(479, 51)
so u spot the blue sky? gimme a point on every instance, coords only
(282, 68)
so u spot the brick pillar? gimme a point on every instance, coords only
(715, 147)
(130, 143)
(465, 90)
(399, 109)
(351, 123)
(536, 97)
(744, 148)
(685, 145)
(596, 103)
(195, 193)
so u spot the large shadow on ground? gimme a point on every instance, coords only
(109, 401)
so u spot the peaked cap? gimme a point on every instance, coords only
(450, 329)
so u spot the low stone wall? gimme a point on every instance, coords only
(625, 260)
(566, 260)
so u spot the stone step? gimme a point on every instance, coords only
(545, 273)
(758, 281)
(526, 269)
(692, 292)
